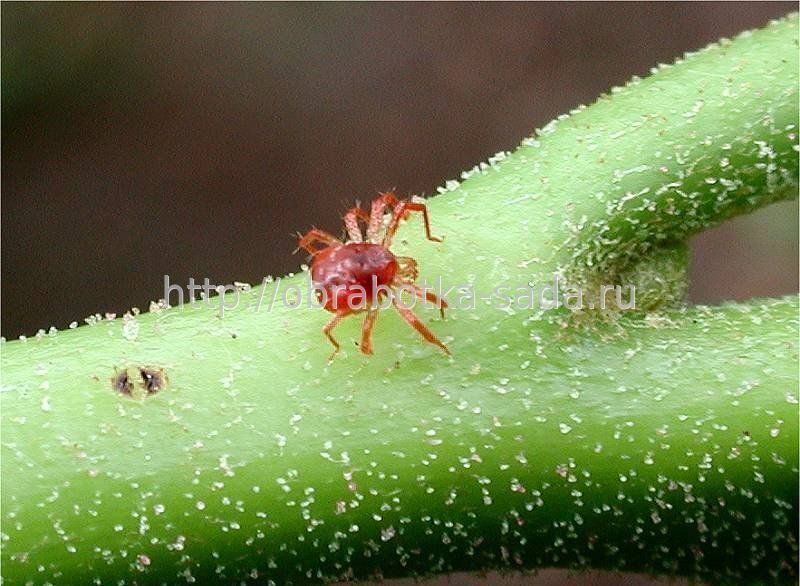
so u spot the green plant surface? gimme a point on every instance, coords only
(659, 440)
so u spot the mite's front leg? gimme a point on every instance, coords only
(399, 213)
(316, 235)
(379, 205)
(351, 219)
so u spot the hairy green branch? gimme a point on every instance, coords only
(661, 440)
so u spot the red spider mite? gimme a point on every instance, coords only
(349, 271)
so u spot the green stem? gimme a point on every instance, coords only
(661, 440)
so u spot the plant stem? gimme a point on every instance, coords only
(662, 440)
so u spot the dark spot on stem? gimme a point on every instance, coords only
(153, 380)
(121, 383)
(149, 382)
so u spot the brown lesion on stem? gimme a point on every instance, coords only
(153, 379)
(121, 382)
(139, 381)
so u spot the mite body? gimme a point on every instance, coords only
(353, 271)
(355, 276)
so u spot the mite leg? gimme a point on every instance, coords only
(432, 297)
(400, 212)
(351, 219)
(415, 323)
(328, 328)
(379, 205)
(366, 330)
(316, 235)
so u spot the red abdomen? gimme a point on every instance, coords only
(350, 275)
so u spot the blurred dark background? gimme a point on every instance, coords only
(143, 139)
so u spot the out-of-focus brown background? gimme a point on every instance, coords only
(193, 139)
